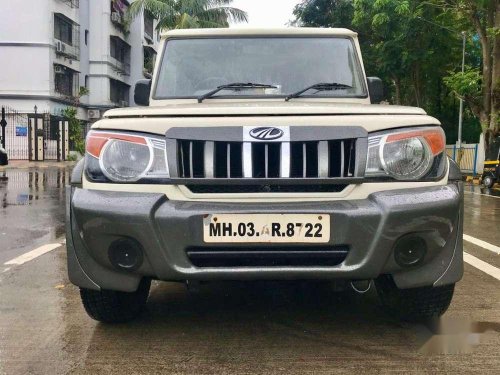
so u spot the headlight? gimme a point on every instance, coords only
(121, 157)
(406, 154)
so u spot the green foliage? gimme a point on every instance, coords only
(412, 45)
(149, 64)
(324, 13)
(75, 129)
(83, 91)
(187, 14)
(466, 85)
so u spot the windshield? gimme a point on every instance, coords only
(193, 67)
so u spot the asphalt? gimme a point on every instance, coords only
(228, 328)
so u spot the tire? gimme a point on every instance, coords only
(109, 306)
(416, 304)
(488, 182)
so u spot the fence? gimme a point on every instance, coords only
(35, 136)
(469, 162)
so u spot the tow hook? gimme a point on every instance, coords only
(361, 286)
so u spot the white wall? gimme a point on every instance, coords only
(24, 21)
(26, 69)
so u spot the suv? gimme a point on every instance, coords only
(264, 155)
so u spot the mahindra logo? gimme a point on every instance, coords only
(266, 133)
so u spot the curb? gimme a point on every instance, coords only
(23, 165)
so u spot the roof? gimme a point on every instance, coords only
(260, 31)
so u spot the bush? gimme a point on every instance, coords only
(75, 130)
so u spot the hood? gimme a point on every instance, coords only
(261, 108)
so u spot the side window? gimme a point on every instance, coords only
(86, 37)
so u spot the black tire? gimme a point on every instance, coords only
(488, 181)
(109, 306)
(416, 304)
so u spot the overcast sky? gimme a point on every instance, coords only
(266, 13)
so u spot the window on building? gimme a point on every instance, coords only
(118, 12)
(65, 81)
(148, 26)
(86, 37)
(63, 29)
(119, 49)
(149, 60)
(119, 92)
(87, 81)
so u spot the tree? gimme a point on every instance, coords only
(75, 130)
(410, 45)
(480, 91)
(188, 14)
(324, 13)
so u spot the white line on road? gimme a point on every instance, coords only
(482, 266)
(481, 243)
(32, 254)
(484, 195)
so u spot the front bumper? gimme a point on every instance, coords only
(369, 227)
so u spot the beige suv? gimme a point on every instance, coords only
(264, 155)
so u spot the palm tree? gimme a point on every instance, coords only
(188, 14)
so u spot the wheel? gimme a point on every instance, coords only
(416, 304)
(110, 306)
(488, 181)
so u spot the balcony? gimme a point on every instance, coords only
(119, 55)
(118, 12)
(71, 3)
(148, 27)
(66, 50)
(120, 67)
(66, 37)
(119, 93)
(66, 84)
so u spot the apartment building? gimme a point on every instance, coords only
(81, 53)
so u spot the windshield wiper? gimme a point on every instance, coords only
(320, 87)
(235, 86)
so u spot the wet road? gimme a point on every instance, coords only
(236, 328)
(31, 209)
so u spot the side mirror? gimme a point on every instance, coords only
(142, 92)
(376, 89)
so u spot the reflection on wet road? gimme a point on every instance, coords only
(31, 209)
(230, 328)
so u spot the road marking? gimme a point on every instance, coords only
(485, 195)
(32, 254)
(481, 243)
(482, 266)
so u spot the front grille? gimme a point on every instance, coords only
(314, 256)
(296, 159)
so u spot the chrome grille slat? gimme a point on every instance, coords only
(304, 160)
(285, 160)
(323, 159)
(209, 161)
(247, 160)
(191, 169)
(342, 162)
(266, 160)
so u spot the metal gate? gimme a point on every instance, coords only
(34, 136)
(49, 137)
(16, 134)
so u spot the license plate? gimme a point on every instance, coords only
(266, 228)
